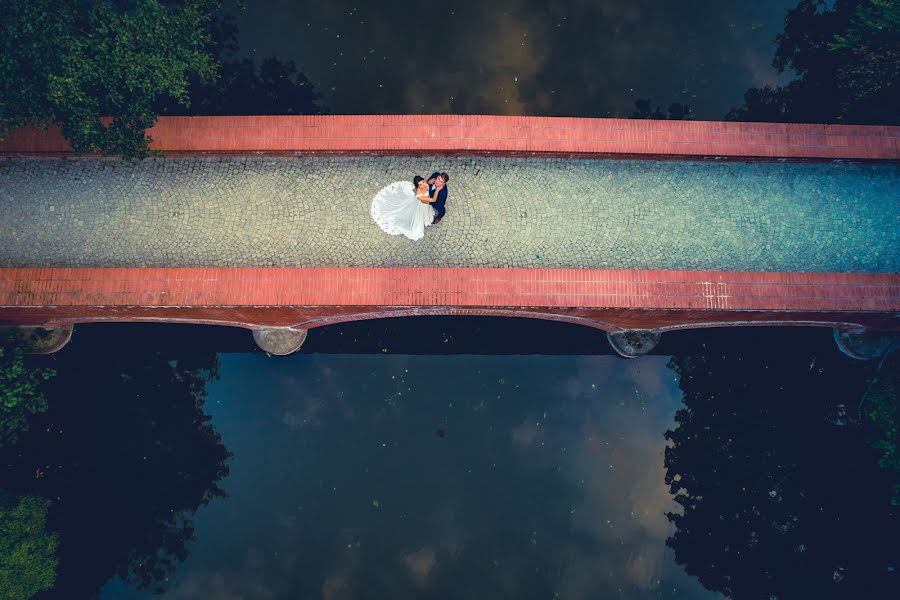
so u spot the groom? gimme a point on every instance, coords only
(437, 190)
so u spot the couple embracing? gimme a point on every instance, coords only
(401, 208)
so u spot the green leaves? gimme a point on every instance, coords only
(75, 61)
(846, 58)
(871, 44)
(20, 395)
(27, 550)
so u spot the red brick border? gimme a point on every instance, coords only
(498, 135)
(311, 297)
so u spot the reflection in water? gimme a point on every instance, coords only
(581, 58)
(400, 476)
(125, 455)
(778, 501)
(548, 480)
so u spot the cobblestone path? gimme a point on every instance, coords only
(502, 212)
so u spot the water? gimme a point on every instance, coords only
(392, 476)
(520, 57)
(457, 475)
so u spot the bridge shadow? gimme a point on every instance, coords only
(431, 335)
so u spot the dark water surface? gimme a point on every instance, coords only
(519, 57)
(449, 477)
(384, 475)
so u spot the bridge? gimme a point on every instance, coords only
(631, 227)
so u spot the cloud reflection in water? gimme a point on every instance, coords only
(549, 479)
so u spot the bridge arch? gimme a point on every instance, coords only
(282, 339)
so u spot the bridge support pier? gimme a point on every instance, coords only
(865, 345)
(40, 340)
(279, 340)
(632, 343)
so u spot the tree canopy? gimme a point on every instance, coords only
(27, 549)
(20, 392)
(105, 69)
(75, 61)
(846, 58)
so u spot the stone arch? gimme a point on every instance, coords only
(458, 312)
(287, 336)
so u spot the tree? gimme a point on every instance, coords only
(777, 500)
(20, 393)
(75, 61)
(127, 456)
(846, 57)
(870, 72)
(27, 549)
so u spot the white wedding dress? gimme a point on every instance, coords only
(397, 211)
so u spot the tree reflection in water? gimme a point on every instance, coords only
(126, 455)
(779, 500)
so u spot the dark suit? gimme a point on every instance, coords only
(440, 202)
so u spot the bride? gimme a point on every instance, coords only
(401, 208)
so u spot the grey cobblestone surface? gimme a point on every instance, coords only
(502, 212)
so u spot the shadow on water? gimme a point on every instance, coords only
(410, 335)
(434, 335)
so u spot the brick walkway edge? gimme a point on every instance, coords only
(311, 297)
(495, 135)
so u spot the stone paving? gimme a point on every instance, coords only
(502, 212)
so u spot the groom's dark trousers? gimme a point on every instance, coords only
(440, 202)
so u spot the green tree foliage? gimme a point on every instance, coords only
(27, 550)
(128, 455)
(20, 392)
(780, 496)
(871, 70)
(74, 61)
(846, 58)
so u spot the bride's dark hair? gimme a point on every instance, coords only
(416, 181)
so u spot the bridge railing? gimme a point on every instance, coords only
(494, 135)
